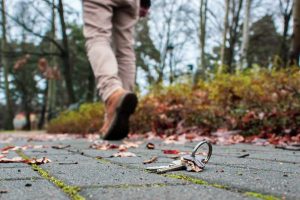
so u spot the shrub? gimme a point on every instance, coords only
(253, 101)
(87, 119)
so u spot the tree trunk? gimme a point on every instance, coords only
(202, 39)
(52, 82)
(44, 108)
(66, 55)
(234, 34)
(223, 47)
(245, 42)
(287, 14)
(10, 114)
(295, 47)
(91, 86)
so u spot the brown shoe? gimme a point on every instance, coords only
(119, 106)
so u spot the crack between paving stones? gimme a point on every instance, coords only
(244, 192)
(70, 191)
(191, 179)
(21, 179)
(128, 186)
(253, 168)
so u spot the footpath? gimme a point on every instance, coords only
(77, 171)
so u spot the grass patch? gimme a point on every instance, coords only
(71, 191)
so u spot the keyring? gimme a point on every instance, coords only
(209, 150)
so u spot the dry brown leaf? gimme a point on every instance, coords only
(39, 161)
(61, 146)
(12, 160)
(28, 161)
(191, 166)
(171, 151)
(151, 160)
(124, 154)
(127, 145)
(104, 146)
(150, 146)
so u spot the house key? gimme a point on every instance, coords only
(191, 162)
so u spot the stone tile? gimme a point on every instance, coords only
(39, 189)
(179, 192)
(101, 174)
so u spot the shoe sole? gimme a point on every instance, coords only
(119, 127)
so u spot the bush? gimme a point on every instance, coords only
(87, 119)
(254, 101)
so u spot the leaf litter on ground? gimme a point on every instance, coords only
(39, 161)
(151, 160)
(123, 154)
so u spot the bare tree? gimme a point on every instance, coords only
(245, 42)
(10, 113)
(173, 34)
(286, 10)
(202, 39)
(225, 32)
(67, 71)
(236, 7)
(295, 47)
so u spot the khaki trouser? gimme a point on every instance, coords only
(109, 33)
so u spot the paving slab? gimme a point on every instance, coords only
(266, 170)
(268, 182)
(103, 174)
(179, 192)
(45, 151)
(29, 190)
(17, 173)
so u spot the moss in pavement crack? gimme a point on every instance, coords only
(72, 191)
(196, 181)
(203, 182)
(261, 196)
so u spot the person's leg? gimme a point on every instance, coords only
(119, 104)
(98, 26)
(124, 20)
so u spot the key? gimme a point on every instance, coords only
(175, 166)
(199, 160)
(191, 162)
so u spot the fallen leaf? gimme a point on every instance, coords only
(61, 146)
(104, 146)
(72, 163)
(39, 161)
(28, 185)
(288, 147)
(28, 161)
(191, 166)
(150, 146)
(12, 160)
(127, 145)
(171, 151)
(7, 148)
(153, 159)
(244, 155)
(123, 154)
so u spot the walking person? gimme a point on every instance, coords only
(109, 32)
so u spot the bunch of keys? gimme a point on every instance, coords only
(191, 162)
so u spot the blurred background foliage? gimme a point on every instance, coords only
(202, 65)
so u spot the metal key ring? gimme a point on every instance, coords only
(201, 144)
